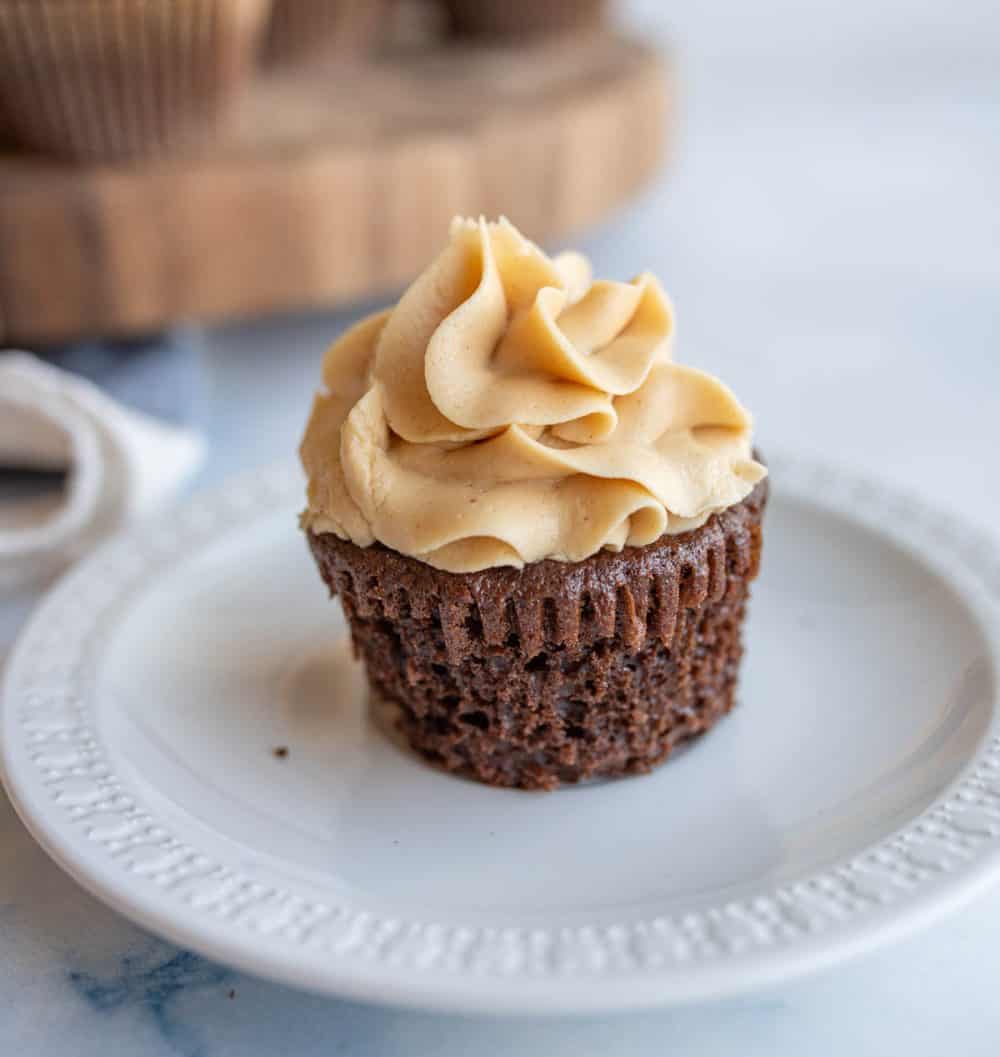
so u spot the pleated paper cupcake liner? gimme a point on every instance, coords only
(105, 80)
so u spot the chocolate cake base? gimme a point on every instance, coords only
(557, 672)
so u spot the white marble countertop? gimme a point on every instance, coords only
(830, 232)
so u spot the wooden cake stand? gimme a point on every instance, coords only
(331, 184)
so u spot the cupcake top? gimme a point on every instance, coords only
(511, 408)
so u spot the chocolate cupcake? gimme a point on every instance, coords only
(105, 80)
(303, 29)
(541, 528)
(521, 18)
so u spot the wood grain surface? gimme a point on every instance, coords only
(331, 184)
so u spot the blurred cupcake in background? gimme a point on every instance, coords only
(305, 29)
(105, 80)
(522, 18)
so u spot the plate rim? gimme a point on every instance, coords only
(933, 864)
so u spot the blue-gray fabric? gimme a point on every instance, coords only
(162, 375)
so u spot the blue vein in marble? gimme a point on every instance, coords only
(154, 988)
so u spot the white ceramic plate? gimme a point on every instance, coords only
(853, 795)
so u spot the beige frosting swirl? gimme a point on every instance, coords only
(510, 409)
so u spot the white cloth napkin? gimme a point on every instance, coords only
(119, 464)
